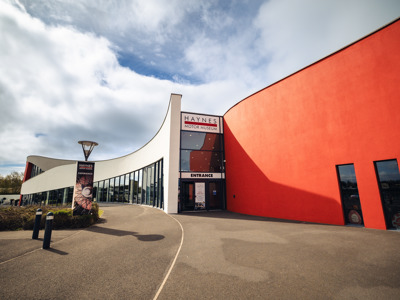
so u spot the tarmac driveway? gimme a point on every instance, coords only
(231, 256)
(136, 253)
(125, 257)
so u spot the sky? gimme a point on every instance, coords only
(104, 70)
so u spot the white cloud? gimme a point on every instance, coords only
(60, 86)
(153, 14)
(61, 81)
(58, 81)
(297, 33)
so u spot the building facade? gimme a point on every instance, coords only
(202, 170)
(186, 155)
(147, 176)
(321, 145)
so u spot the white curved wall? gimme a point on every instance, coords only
(46, 163)
(164, 145)
(55, 178)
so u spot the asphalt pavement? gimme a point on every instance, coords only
(139, 252)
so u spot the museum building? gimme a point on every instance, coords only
(321, 145)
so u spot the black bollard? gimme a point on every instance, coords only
(47, 230)
(36, 226)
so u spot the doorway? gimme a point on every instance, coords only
(187, 196)
(201, 195)
(215, 195)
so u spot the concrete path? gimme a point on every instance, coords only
(136, 253)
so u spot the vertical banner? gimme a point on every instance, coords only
(83, 190)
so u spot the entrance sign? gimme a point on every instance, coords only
(203, 123)
(83, 190)
(200, 198)
(203, 175)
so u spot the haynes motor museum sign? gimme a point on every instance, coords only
(203, 123)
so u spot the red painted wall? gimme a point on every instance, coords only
(27, 175)
(28, 171)
(283, 143)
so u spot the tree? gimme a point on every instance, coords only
(11, 184)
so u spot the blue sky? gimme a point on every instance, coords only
(104, 70)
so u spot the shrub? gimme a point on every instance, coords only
(16, 218)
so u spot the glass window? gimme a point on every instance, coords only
(60, 196)
(95, 191)
(126, 196)
(185, 160)
(116, 188)
(120, 191)
(111, 190)
(349, 193)
(121, 188)
(106, 190)
(51, 200)
(55, 197)
(101, 191)
(148, 185)
(151, 184)
(70, 195)
(156, 170)
(135, 187)
(65, 196)
(160, 185)
(201, 152)
(121, 194)
(201, 141)
(131, 185)
(389, 185)
(136, 194)
(201, 161)
(144, 186)
(139, 192)
(45, 198)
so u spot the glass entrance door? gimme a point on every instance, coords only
(201, 195)
(193, 196)
(187, 196)
(215, 196)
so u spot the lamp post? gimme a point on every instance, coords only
(87, 147)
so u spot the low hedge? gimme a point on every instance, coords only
(17, 218)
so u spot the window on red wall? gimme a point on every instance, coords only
(388, 176)
(349, 194)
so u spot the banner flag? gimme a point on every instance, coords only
(83, 190)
